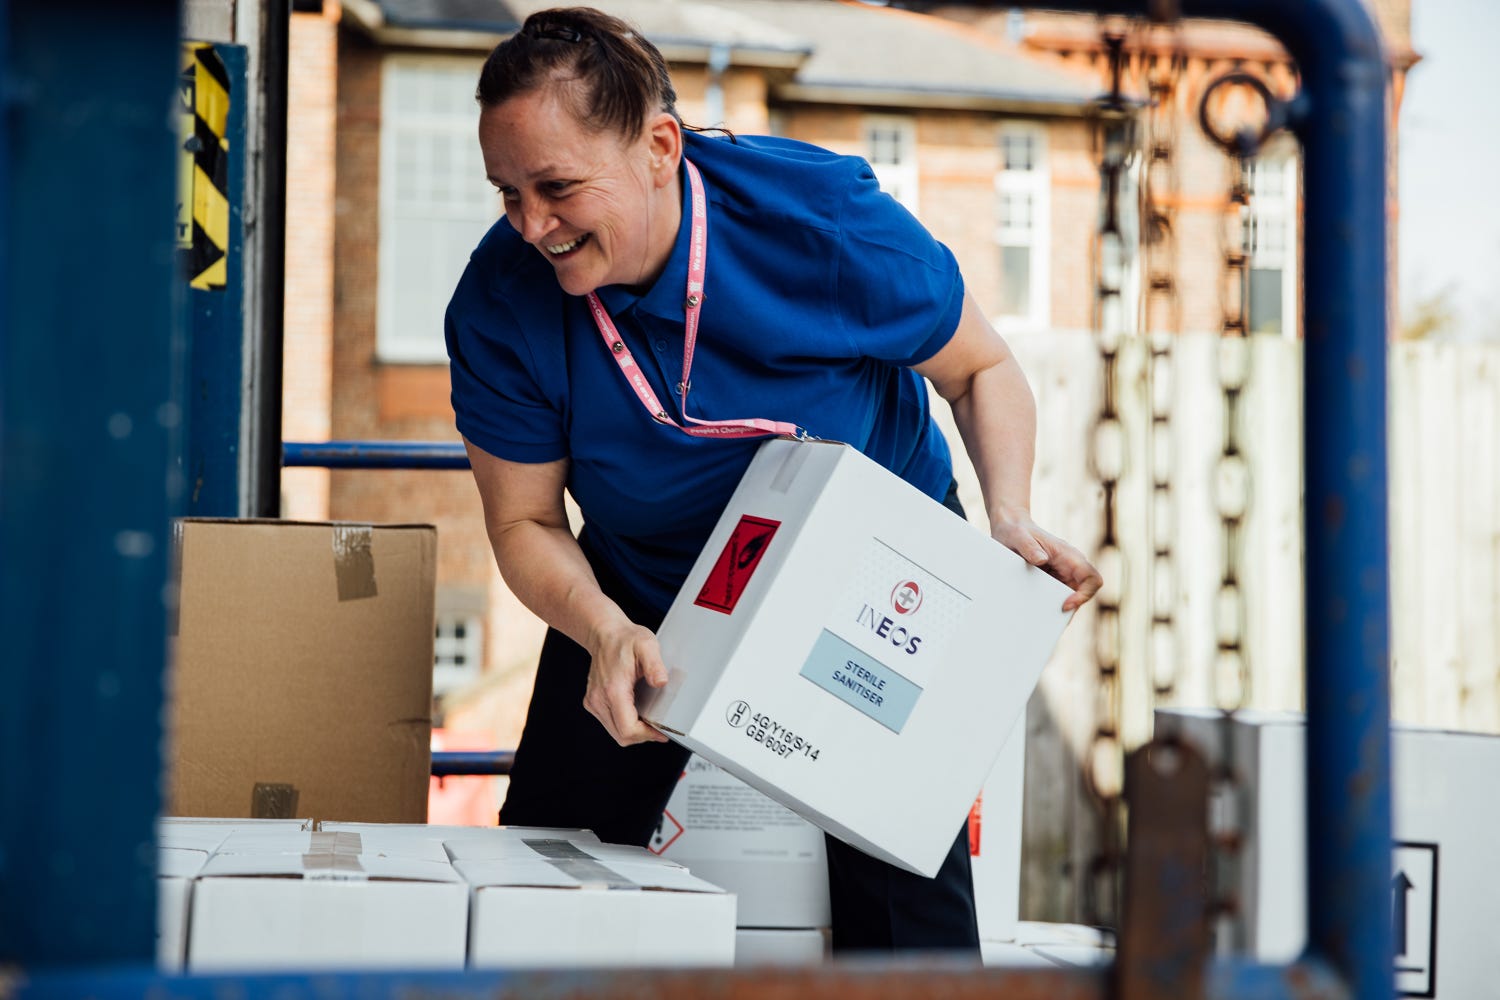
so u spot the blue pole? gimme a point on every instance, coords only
(90, 411)
(1347, 603)
(447, 763)
(375, 454)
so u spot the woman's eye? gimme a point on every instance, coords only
(558, 187)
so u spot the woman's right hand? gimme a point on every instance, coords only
(624, 654)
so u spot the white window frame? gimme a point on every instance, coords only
(448, 676)
(1036, 184)
(1275, 212)
(422, 131)
(901, 179)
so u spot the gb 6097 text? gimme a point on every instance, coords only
(777, 738)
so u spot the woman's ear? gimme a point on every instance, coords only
(664, 144)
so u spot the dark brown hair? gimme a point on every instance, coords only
(621, 77)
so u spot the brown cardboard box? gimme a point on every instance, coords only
(302, 683)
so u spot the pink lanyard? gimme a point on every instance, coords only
(697, 267)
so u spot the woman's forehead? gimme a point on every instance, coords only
(536, 134)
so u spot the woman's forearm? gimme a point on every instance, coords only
(545, 568)
(996, 418)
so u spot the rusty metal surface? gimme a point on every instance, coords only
(903, 979)
(1164, 938)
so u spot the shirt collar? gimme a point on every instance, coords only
(664, 299)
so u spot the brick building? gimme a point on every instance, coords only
(976, 120)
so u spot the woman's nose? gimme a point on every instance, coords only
(536, 220)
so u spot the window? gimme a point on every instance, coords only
(435, 203)
(457, 652)
(891, 148)
(1271, 240)
(1023, 227)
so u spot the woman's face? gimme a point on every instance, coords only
(602, 209)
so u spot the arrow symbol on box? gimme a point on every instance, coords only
(1401, 887)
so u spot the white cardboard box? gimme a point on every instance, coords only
(1445, 813)
(995, 842)
(544, 901)
(724, 831)
(200, 834)
(176, 867)
(273, 899)
(755, 946)
(853, 649)
(774, 861)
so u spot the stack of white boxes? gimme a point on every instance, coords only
(773, 861)
(241, 895)
(1445, 885)
(769, 857)
(184, 846)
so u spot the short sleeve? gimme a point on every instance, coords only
(899, 289)
(498, 399)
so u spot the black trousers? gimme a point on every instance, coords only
(569, 772)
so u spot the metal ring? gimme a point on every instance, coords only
(1245, 142)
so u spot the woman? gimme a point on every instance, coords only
(801, 294)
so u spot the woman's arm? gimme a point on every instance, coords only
(545, 568)
(996, 416)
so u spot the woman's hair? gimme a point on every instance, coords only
(620, 77)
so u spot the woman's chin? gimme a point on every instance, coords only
(577, 280)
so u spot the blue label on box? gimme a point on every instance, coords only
(857, 679)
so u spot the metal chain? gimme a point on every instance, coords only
(1162, 321)
(1113, 145)
(1231, 490)
(1116, 147)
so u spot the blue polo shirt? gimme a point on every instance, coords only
(820, 294)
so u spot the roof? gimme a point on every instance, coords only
(835, 51)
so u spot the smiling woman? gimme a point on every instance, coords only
(603, 207)
(594, 311)
(580, 135)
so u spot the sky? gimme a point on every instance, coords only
(1450, 165)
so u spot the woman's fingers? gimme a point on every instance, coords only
(613, 674)
(1057, 557)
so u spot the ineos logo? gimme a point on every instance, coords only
(907, 597)
(736, 712)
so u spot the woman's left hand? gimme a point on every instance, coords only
(1017, 531)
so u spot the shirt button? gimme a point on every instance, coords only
(661, 344)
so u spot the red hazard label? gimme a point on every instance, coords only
(667, 832)
(976, 825)
(731, 573)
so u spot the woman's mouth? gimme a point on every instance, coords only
(563, 249)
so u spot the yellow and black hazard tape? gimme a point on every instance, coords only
(203, 187)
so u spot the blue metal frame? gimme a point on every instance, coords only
(84, 509)
(452, 763)
(375, 454)
(90, 377)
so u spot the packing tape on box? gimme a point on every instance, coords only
(795, 460)
(568, 858)
(335, 842)
(273, 800)
(334, 857)
(174, 586)
(354, 561)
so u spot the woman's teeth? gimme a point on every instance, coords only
(565, 247)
